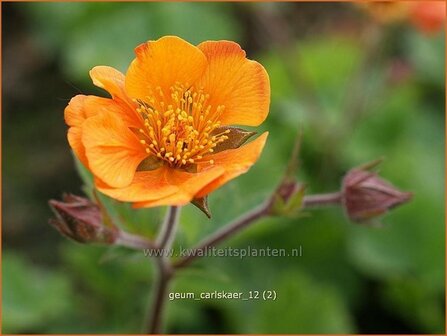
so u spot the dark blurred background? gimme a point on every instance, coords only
(357, 89)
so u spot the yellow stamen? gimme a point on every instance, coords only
(178, 126)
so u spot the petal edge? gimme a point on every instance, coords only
(235, 162)
(112, 149)
(240, 84)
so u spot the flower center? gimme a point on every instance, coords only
(181, 128)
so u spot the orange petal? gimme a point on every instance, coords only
(74, 113)
(82, 107)
(241, 85)
(112, 81)
(235, 162)
(162, 63)
(188, 185)
(146, 186)
(74, 136)
(112, 149)
(109, 79)
(122, 111)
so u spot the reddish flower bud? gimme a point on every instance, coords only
(81, 220)
(366, 196)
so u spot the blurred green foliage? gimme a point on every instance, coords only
(25, 294)
(352, 106)
(122, 25)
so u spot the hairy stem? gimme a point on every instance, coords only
(167, 232)
(164, 271)
(159, 293)
(166, 237)
(250, 217)
(225, 232)
(133, 241)
(319, 200)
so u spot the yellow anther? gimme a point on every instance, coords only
(179, 129)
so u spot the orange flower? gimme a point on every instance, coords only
(164, 138)
(428, 16)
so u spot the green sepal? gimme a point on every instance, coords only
(150, 163)
(236, 137)
(288, 207)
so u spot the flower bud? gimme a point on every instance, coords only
(287, 199)
(367, 196)
(81, 220)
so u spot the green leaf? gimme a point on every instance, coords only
(33, 298)
(427, 54)
(87, 34)
(410, 299)
(303, 306)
